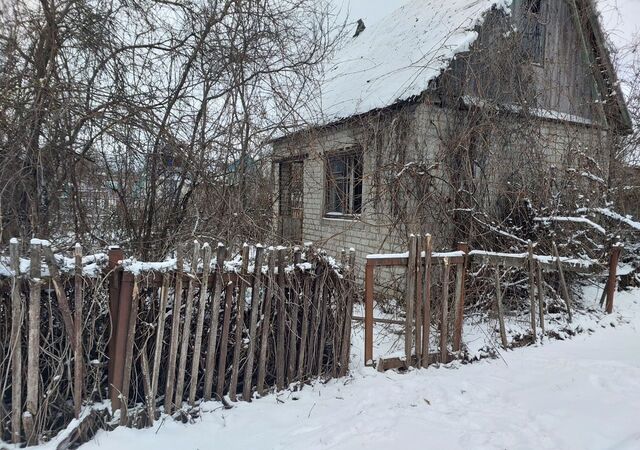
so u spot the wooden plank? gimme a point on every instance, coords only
(186, 326)
(17, 309)
(461, 281)
(169, 404)
(146, 385)
(418, 306)
(410, 293)
(157, 354)
(128, 359)
(294, 307)
(215, 319)
(315, 321)
(33, 356)
(266, 322)
(78, 377)
(202, 306)
(306, 299)
(444, 318)
(346, 337)
(281, 322)
(242, 286)
(403, 261)
(253, 324)
(426, 301)
(532, 296)
(503, 332)
(612, 281)
(540, 296)
(63, 301)
(563, 282)
(324, 305)
(368, 314)
(224, 339)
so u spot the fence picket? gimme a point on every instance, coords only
(16, 342)
(215, 319)
(169, 403)
(240, 305)
(253, 324)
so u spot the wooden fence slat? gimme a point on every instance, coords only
(294, 308)
(324, 305)
(266, 322)
(350, 294)
(426, 301)
(202, 304)
(63, 301)
(16, 343)
(128, 359)
(157, 357)
(240, 305)
(224, 339)
(169, 404)
(368, 308)
(410, 297)
(461, 280)
(281, 322)
(78, 377)
(532, 296)
(503, 332)
(540, 296)
(253, 324)
(33, 354)
(146, 385)
(315, 322)
(444, 325)
(563, 282)
(186, 327)
(418, 307)
(612, 281)
(306, 300)
(215, 319)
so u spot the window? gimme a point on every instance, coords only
(291, 189)
(344, 185)
(534, 29)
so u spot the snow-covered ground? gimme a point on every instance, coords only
(581, 394)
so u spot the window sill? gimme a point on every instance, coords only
(342, 217)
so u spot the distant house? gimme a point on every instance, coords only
(446, 109)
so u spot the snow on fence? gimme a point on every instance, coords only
(421, 300)
(105, 335)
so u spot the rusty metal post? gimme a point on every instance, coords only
(121, 332)
(368, 313)
(612, 282)
(115, 256)
(461, 282)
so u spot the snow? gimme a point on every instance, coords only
(627, 220)
(583, 220)
(578, 394)
(396, 58)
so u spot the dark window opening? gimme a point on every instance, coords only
(344, 185)
(291, 189)
(535, 29)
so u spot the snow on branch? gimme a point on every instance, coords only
(582, 220)
(627, 220)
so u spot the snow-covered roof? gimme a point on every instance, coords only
(396, 58)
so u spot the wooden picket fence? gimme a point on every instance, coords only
(443, 310)
(149, 337)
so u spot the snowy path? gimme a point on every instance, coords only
(579, 394)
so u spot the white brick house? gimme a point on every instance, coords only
(494, 81)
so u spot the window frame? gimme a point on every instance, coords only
(353, 160)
